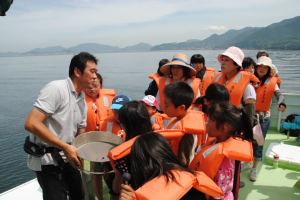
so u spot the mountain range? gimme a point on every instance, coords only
(284, 35)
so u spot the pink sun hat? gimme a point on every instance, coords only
(150, 100)
(235, 53)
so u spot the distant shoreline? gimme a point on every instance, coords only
(60, 54)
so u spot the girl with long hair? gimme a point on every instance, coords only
(151, 157)
(233, 132)
(135, 121)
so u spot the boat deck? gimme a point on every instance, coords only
(272, 183)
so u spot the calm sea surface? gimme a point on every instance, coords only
(21, 79)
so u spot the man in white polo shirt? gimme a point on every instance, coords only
(58, 116)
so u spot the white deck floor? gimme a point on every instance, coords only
(29, 190)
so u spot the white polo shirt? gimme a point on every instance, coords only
(66, 113)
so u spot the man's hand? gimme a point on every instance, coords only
(34, 125)
(72, 155)
(126, 192)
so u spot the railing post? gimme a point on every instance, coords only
(279, 121)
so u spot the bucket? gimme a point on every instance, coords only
(93, 148)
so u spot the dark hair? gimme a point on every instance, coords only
(135, 118)
(247, 62)
(180, 93)
(214, 92)
(201, 73)
(186, 71)
(225, 113)
(261, 52)
(160, 64)
(99, 77)
(197, 58)
(264, 78)
(152, 156)
(80, 61)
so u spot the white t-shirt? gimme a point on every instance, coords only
(66, 114)
(249, 93)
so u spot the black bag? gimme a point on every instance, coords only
(36, 150)
(293, 133)
(33, 149)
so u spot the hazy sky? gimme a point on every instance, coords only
(33, 24)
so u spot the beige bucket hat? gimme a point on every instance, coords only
(264, 60)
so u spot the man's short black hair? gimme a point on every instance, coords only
(180, 93)
(80, 61)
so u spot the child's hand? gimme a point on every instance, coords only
(281, 108)
(126, 192)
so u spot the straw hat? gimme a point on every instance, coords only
(178, 59)
(264, 60)
(235, 53)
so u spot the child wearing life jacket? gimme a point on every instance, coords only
(178, 97)
(159, 120)
(135, 120)
(153, 86)
(264, 90)
(156, 173)
(233, 133)
(203, 73)
(274, 71)
(214, 92)
(110, 124)
(98, 102)
(180, 70)
(249, 65)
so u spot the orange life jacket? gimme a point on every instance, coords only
(192, 123)
(264, 94)
(159, 189)
(160, 121)
(209, 159)
(206, 80)
(155, 77)
(109, 124)
(236, 85)
(124, 149)
(103, 104)
(164, 81)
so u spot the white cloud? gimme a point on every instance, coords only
(215, 28)
(239, 27)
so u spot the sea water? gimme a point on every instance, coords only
(21, 79)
